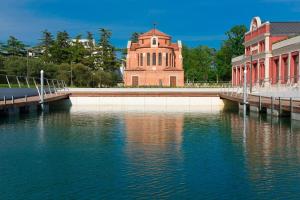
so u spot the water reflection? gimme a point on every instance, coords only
(131, 154)
(271, 150)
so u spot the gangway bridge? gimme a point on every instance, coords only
(22, 93)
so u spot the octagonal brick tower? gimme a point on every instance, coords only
(154, 61)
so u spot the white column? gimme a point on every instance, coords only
(236, 76)
(267, 44)
(289, 67)
(267, 70)
(279, 69)
(258, 72)
(232, 79)
(267, 61)
(298, 69)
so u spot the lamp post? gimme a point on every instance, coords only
(251, 73)
(71, 71)
(245, 89)
(29, 54)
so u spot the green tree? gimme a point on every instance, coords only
(105, 79)
(106, 58)
(198, 63)
(90, 38)
(135, 37)
(1, 64)
(64, 73)
(231, 47)
(77, 51)
(15, 66)
(60, 50)
(15, 47)
(82, 75)
(46, 43)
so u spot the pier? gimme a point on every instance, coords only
(20, 94)
(275, 106)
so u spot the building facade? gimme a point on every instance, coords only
(271, 54)
(154, 61)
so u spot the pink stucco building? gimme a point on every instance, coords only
(154, 61)
(271, 54)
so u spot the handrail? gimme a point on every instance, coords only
(15, 81)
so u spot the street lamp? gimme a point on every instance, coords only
(251, 73)
(245, 88)
(71, 71)
(29, 54)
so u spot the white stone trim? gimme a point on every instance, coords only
(129, 44)
(258, 23)
(287, 42)
(238, 58)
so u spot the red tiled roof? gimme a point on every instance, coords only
(154, 32)
(134, 46)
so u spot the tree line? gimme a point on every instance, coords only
(95, 64)
(203, 63)
(88, 64)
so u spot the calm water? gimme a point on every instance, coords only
(141, 155)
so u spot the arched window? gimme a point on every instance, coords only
(159, 59)
(167, 59)
(138, 59)
(170, 61)
(174, 60)
(154, 59)
(154, 41)
(148, 59)
(141, 59)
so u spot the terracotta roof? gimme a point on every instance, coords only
(135, 46)
(154, 32)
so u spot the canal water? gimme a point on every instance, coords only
(158, 154)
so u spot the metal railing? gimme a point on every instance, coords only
(279, 88)
(51, 86)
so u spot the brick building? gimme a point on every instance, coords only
(271, 54)
(154, 61)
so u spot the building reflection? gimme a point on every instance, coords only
(271, 146)
(154, 128)
(153, 144)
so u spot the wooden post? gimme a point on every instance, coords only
(272, 105)
(4, 99)
(25, 98)
(259, 103)
(12, 100)
(279, 112)
(291, 107)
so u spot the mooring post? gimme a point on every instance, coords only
(25, 98)
(12, 100)
(279, 112)
(272, 105)
(4, 99)
(42, 89)
(259, 99)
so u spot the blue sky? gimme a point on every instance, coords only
(195, 22)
